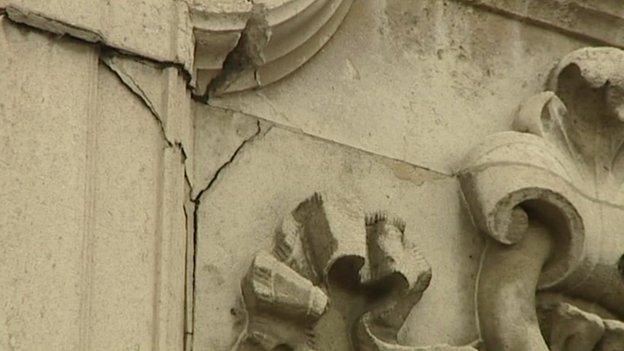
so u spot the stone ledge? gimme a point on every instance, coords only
(600, 21)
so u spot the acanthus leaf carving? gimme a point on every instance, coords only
(549, 198)
(327, 243)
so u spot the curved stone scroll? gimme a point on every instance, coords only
(249, 44)
(564, 167)
(326, 241)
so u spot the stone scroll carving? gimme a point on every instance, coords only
(549, 196)
(328, 255)
(249, 44)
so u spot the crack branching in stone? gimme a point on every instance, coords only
(41, 22)
(297, 130)
(106, 57)
(260, 132)
(126, 79)
(129, 83)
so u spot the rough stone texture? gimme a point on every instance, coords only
(562, 166)
(135, 218)
(239, 213)
(413, 80)
(157, 29)
(43, 187)
(93, 235)
(601, 21)
(219, 134)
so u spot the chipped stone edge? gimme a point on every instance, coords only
(259, 44)
(575, 19)
(35, 19)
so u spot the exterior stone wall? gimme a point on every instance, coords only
(298, 175)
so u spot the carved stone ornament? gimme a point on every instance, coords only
(252, 43)
(549, 196)
(329, 256)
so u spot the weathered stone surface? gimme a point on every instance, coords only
(163, 91)
(413, 80)
(242, 45)
(599, 20)
(93, 240)
(548, 196)
(219, 134)
(43, 167)
(156, 29)
(135, 218)
(239, 213)
(217, 28)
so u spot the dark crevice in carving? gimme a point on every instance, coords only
(356, 273)
(197, 203)
(245, 142)
(561, 169)
(621, 266)
(246, 54)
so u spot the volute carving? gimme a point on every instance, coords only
(252, 43)
(326, 249)
(549, 198)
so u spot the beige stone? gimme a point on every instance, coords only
(418, 81)
(44, 167)
(228, 239)
(288, 175)
(218, 137)
(94, 237)
(561, 166)
(156, 29)
(243, 45)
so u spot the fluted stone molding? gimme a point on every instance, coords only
(549, 198)
(325, 241)
(242, 45)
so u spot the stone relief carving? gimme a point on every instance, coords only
(249, 44)
(549, 197)
(328, 255)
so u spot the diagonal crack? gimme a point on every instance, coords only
(135, 88)
(260, 132)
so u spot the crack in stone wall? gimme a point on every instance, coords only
(46, 23)
(261, 130)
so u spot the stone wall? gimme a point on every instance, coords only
(293, 175)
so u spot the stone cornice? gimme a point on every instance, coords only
(247, 45)
(598, 20)
(158, 30)
(225, 45)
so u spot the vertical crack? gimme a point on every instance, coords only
(260, 132)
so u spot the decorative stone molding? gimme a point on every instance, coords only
(157, 30)
(597, 20)
(326, 244)
(244, 45)
(548, 196)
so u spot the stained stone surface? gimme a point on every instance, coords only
(271, 174)
(413, 80)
